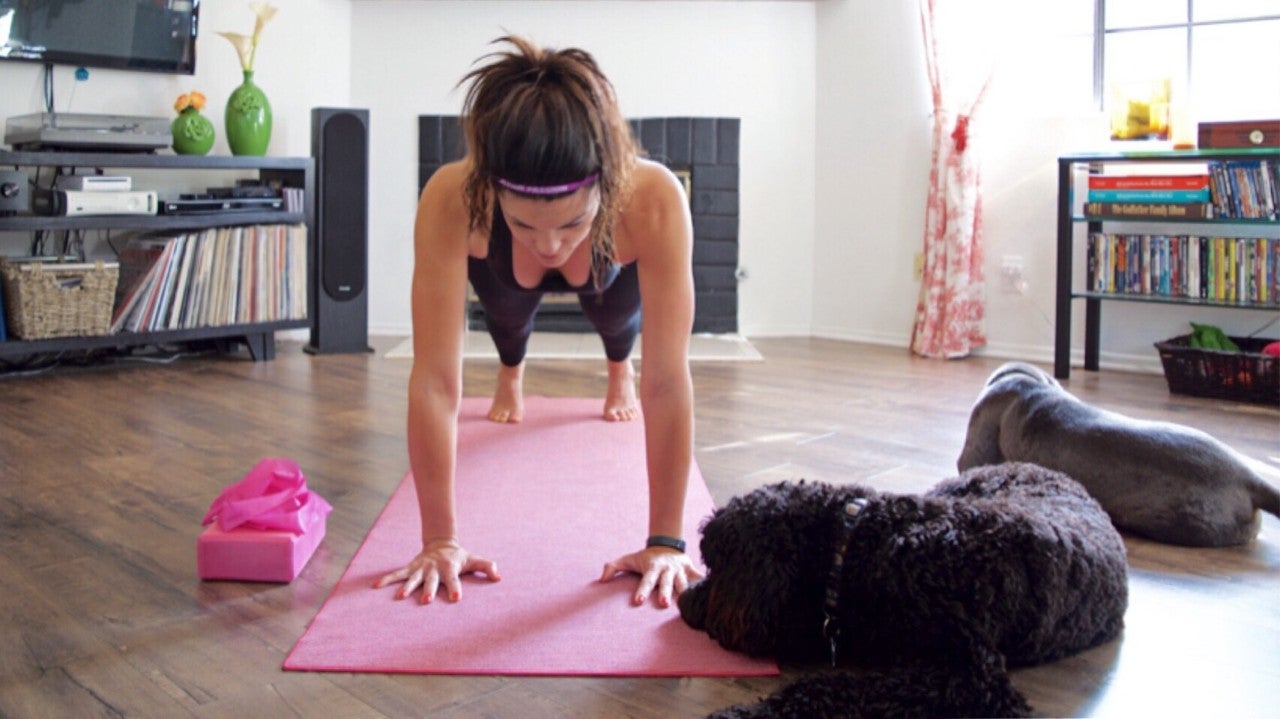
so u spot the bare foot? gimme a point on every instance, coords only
(508, 395)
(620, 403)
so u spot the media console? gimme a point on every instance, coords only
(291, 172)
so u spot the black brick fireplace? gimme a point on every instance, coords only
(704, 153)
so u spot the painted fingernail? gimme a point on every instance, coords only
(454, 597)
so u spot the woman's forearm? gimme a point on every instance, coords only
(668, 423)
(432, 435)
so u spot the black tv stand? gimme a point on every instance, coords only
(259, 337)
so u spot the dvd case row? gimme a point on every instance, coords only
(1223, 269)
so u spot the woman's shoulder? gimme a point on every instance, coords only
(442, 211)
(656, 194)
(443, 197)
(447, 181)
(653, 181)
(657, 209)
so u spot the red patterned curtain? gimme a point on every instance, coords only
(951, 307)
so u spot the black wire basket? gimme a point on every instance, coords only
(1244, 376)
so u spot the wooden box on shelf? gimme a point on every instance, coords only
(1239, 135)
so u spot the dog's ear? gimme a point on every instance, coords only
(775, 520)
(735, 525)
(748, 548)
(982, 436)
(768, 554)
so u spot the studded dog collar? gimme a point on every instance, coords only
(830, 626)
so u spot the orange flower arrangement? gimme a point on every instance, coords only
(192, 132)
(194, 99)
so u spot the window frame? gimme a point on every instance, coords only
(1101, 31)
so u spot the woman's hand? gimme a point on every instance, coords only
(661, 568)
(441, 561)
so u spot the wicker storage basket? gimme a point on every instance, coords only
(45, 300)
(1244, 376)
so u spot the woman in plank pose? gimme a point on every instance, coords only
(552, 196)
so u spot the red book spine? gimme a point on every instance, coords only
(1148, 182)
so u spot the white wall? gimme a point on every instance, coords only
(749, 60)
(873, 129)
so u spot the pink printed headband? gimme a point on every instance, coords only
(547, 189)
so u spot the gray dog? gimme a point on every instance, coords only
(1164, 481)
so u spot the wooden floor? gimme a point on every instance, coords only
(106, 472)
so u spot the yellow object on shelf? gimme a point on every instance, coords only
(1140, 110)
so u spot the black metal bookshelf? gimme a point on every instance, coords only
(1068, 221)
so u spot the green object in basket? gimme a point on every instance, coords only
(1211, 337)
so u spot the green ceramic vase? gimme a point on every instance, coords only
(192, 133)
(248, 119)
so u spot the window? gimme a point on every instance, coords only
(1221, 58)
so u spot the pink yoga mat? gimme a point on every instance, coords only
(550, 500)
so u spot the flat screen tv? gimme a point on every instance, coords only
(143, 35)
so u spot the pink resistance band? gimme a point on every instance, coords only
(547, 189)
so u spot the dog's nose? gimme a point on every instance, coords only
(693, 605)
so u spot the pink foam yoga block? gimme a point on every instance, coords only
(256, 555)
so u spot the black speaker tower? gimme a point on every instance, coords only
(340, 249)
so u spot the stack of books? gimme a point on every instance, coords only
(1228, 189)
(1174, 197)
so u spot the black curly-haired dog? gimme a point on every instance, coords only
(1006, 565)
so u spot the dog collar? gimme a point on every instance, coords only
(830, 626)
